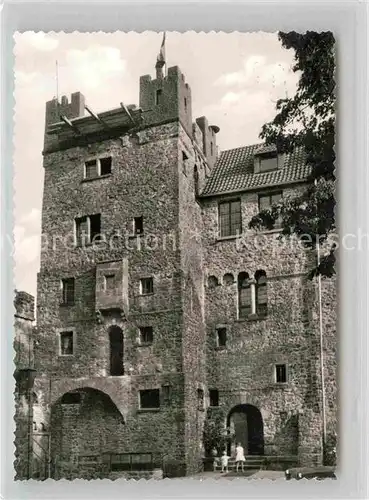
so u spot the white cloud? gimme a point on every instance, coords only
(256, 71)
(32, 218)
(231, 97)
(39, 41)
(94, 65)
(27, 248)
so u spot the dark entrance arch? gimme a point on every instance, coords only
(85, 424)
(116, 350)
(246, 422)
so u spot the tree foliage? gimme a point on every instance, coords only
(307, 120)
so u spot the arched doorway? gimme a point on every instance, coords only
(116, 350)
(246, 423)
(85, 424)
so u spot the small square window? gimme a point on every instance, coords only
(146, 334)
(222, 337)
(66, 344)
(91, 169)
(105, 165)
(150, 398)
(138, 225)
(109, 282)
(281, 374)
(68, 291)
(214, 397)
(147, 286)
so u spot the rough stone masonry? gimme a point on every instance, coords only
(158, 310)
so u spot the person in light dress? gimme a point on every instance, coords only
(224, 461)
(240, 457)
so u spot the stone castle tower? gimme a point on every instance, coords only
(153, 317)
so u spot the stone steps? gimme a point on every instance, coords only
(251, 462)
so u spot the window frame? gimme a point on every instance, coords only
(276, 381)
(60, 333)
(98, 160)
(217, 331)
(142, 293)
(229, 216)
(146, 328)
(261, 309)
(77, 220)
(217, 398)
(149, 408)
(135, 220)
(273, 155)
(64, 293)
(247, 308)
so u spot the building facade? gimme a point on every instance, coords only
(158, 310)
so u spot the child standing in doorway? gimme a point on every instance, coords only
(240, 457)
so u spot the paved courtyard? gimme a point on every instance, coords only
(250, 474)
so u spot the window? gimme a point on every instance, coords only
(244, 295)
(71, 398)
(146, 334)
(222, 337)
(167, 393)
(131, 462)
(105, 165)
(68, 291)
(159, 96)
(66, 344)
(281, 374)
(185, 104)
(211, 148)
(268, 162)
(116, 351)
(88, 229)
(97, 167)
(147, 286)
(214, 397)
(91, 169)
(261, 293)
(269, 199)
(109, 282)
(150, 398)
(230, 218)
(95, 227)
(200, 400)
(138, 225)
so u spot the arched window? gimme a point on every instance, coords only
(261, 293)
(196, 179)
(116, 351)
(244, 295)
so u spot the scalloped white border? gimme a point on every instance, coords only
(348, 21)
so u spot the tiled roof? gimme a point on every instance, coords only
(234, 171)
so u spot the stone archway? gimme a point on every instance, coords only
(85, 425)
(246, 423)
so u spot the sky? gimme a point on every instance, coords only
(235, 81)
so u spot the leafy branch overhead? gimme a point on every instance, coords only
(307, 121)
